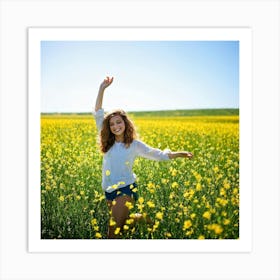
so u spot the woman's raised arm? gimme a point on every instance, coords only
(107, 82)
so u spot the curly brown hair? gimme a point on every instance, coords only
(108, 138)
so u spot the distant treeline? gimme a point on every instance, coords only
(169, 113)
(186, 113)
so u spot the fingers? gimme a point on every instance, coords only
(189, 155)
(108, 80)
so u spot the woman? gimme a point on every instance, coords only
(120, 148)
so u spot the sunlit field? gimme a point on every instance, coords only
(185, 199)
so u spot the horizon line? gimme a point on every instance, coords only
(139, 111)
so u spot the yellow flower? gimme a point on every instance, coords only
(189, 194)
(129, 221)
(78, 197)
(159, 215)
(189, 232)
(218, 229)
(226, 185)
(207, 215)
(222, 192)
(187, 183)
(112, 223)
(201, 237)
(141, 200)
(235, 191)
(150, 204)
(107, 172)
(187, 224)
(173, 171)
(117, 231)
(226, 222)
(197, 176)
(216, 169)
(198, 187)
(174, 185)
(61, 198)
(155, 226)
(125, 227)
(140, 207)
(128, 205)
(222, 201)
(98, 235)
(172, 195)
(193, 215)
(93, 222)
(164, 181)
(168, 234)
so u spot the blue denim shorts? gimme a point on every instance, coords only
(129, 190)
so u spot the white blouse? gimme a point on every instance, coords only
(118, 161)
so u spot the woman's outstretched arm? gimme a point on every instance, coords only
(108, 81)
(148, 152)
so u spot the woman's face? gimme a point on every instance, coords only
(117, 125)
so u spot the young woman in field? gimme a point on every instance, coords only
(120, 148)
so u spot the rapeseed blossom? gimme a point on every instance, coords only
(151, 204)
(187, 224)
(129, 205)
(159, 215)
(117, 231)
(207, 215)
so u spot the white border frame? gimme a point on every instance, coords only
(262, 16)
(243, 35)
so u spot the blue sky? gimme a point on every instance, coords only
(148, 75)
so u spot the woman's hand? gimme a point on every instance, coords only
(187, 155)
(184, 154)
(108, 81)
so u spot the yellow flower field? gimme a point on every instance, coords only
(184, 199)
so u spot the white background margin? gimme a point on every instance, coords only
(262, 17)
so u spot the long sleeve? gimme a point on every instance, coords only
(99, 117)
(148, 152)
